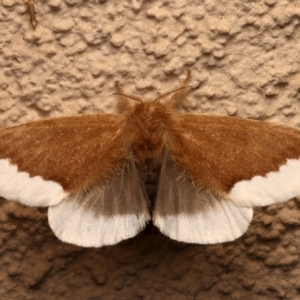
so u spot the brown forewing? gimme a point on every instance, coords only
(73, 151)
(218, 151)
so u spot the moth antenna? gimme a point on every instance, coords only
(130, 97)
(171, 92)
(120, 92)
(181, 86)
(186, 79)
(178, 99)
(119, 87)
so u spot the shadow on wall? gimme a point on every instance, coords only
(36, 265)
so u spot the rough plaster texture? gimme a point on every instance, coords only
(244, 57)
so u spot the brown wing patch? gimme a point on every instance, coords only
(73, 151)
(218, 151)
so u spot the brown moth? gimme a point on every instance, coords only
(31, 11)
(105, 176)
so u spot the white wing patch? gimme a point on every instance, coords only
(32, 191)
(221, 222)
(272, 188)
(103, 214)
(190, 214)
(75, 223)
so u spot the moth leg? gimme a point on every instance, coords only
(31, 11)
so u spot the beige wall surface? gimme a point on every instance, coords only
(245, 61)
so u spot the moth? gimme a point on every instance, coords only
(105, 176)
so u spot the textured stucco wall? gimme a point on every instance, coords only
(244, 58)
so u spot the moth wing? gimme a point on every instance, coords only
(44, 161)
(104, 214)
(250, 162)
(185, 212)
